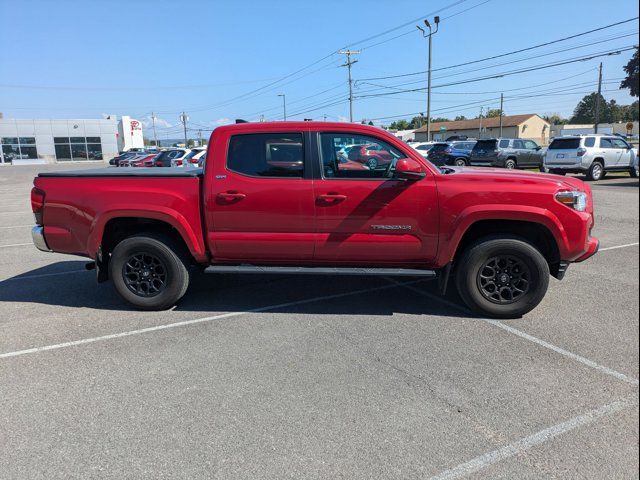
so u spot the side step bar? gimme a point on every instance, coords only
(392, 272)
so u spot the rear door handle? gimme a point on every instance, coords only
(332, 197)
(231, 196)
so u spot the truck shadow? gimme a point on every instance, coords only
(68, 284)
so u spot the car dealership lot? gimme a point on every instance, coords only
(315, 377)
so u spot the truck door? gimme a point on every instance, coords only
(364, 215)
(624, 159)
(611, 153)
(259, 200)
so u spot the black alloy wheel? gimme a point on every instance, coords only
(145, 274)
(504, 279)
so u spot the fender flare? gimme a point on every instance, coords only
(519, 213)
(193, 240)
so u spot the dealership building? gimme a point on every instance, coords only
(49, 141)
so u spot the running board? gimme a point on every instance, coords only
(392, 272)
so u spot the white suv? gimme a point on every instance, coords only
(593, 155)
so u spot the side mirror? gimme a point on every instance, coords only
(409, 169)
(538, 148)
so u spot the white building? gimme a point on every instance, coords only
(129, 134)
(49, 141)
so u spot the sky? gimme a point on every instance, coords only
(220, 60)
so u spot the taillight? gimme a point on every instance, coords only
(37, 204)
(158, 163)
(581, 151)
(178, 163)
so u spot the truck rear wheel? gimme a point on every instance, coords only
(502, 277)
(149, 271)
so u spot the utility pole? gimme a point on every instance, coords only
(436, 20)
(480, 127)
(348, 64)
(184, 119)
(199, 137)
(324, 117)
(284, 105)
(598, 98)
(501, 113)
(153, 121)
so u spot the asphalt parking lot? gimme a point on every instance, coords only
(309, 377)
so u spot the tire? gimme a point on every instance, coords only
(510, 164)
(634, 172)
(460, 162)
(596, 171)
(522, 261)
(131, 269)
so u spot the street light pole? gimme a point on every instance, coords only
(284, 105)
(184, 119)
(432, 32)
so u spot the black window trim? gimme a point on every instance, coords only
(305, 162)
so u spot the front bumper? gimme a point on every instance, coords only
(37, 235)
(592, 248)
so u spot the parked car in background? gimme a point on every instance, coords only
(115, 161)
(456, 138)
(165, 157)
(130, 161)
(372, 155)
(456, 153)
(192, 158)
(593, 155)
(178, 159)
(436, 153)
(506, 153)
(422, 147)
(145, 160)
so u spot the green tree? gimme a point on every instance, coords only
(417, 122)
(190, 143)
(633, 75)
(556, 119)
(400, 125)
(440, 119)
(460, 118)
(493, 112)
(585, 111)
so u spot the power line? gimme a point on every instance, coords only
(507, 53)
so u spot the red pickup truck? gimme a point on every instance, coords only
(278, 197)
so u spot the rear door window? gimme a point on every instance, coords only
(485, 145)
(267, 155)
(606, 143)
(518, 144)
(590, 142)
(504, 144)
(565, 144)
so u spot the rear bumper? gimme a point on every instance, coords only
(592, 248)
(37, 235)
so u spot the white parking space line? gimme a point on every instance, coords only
(18, 226)
(526, 443)
(566, 353)
(619, 246)
(531, 338)
(16, 245)
(185, 323)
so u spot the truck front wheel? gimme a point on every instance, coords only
(149, 271)
(502, 277)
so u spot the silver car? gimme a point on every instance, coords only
(593, 155)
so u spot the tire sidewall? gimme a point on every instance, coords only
(510, 162)
(177, 274)
(475, 257)
(593, 168)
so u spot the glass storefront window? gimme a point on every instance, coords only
(63, 152)
(78, 140)
(94, 150)
(60, 139)
(93, 140)
(78, 151)
(14, 148)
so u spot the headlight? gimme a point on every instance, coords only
(574, 199)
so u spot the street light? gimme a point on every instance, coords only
(436, 20)
(284, 105)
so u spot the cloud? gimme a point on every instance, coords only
(147, 122)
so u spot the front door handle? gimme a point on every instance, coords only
(231, 196)
(332, 197)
